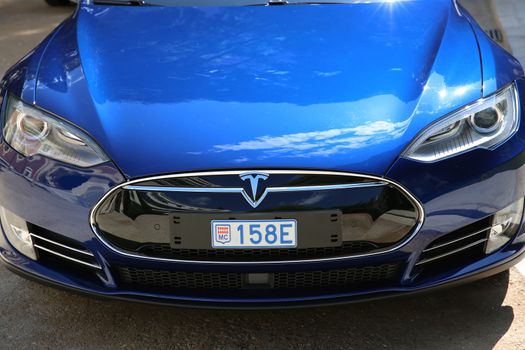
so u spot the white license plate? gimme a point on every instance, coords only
(262, 234)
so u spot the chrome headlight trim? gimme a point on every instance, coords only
(32, 131)
(456, 133)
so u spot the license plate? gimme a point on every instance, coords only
(258, 234)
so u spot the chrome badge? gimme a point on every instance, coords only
(254, 178)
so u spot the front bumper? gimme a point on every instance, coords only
(457, 194)
(490, 271)
(61, 199)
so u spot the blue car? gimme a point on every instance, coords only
(253, 153)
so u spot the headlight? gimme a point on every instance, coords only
(31, 131)
(485, 124)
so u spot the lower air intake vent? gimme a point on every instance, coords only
(53, 247)
(340, 277)
(185, 280)
(459, 248)
(387, 273)
(165, 251)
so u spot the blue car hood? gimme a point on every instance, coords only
(341, 87)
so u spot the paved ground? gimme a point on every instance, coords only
(484, 315)
(512, 17)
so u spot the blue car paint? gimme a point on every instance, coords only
(254, 90)
(116, 88)
(499, 67)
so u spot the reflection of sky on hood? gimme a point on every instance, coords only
(247, 132)
(228, 87)
(376, 120)
(366, 122)
(318, 143)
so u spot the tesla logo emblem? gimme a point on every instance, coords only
(254, 178)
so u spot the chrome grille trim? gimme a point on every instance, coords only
(95, 266)
(455, 251)
(456, 240)
(376, 180)
(62, 245)
(240, 190)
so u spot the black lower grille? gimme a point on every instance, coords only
(167, 252)
(341, 277)
(386, 273)
(183, 280)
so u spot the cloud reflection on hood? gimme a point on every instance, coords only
(324, 142)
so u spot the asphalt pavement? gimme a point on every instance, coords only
(483, 315)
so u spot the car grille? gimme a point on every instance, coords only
(165, 251)
(454, 250)
(279, 280)
(340, 277)
(185, 280)
(337, 214)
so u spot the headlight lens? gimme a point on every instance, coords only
(31, 131)
(484, 124)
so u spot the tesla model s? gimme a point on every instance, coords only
(253, 153)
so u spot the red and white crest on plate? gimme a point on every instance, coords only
(223, 233)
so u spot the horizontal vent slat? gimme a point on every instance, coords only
(52, 247)
(442, 245)
(455, 251)
(62, 245)
(50, 251)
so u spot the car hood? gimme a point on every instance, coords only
(341, 87)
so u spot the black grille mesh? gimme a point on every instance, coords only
(281, 280)
(184, 280)
(166, 251)
(312, 279)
